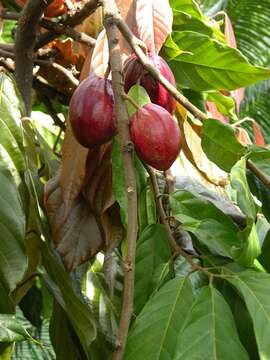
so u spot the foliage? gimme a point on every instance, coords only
(64, 219)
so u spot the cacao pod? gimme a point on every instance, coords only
(156, 136)
(135, 74)
(91, 112)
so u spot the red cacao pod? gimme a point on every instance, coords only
(134, 73)
(156, 136)
(91, 112)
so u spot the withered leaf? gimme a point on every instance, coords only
(76, 236)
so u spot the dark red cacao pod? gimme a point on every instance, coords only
(156, 136)
(134, 73)
(91, 112)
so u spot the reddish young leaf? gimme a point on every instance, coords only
(238, 94)
(242, 136)
(211, 107)
(258, 136)
(154, 22)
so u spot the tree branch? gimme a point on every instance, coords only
(127, 154)
(56, 27)
(24, 48)
(72, 19)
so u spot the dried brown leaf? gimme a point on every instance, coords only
(76, 236)
(73, 169)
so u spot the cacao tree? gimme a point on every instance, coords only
(135, 179)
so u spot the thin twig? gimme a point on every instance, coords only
(73, 19)
(55, 27)
(177, 250)
(24, 47)
(47, 63)
(161, 212)
(258, 173)
(130, 179)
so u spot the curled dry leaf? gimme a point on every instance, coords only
(67, 56)
(73, 169)
(154, 22)
(76, 236)
(97, 191)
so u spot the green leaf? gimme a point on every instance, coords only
(152, 258)
(240, 185)
(11, 329)
(209, 224)
(265, 254)
(250, 23)
(212, 65)
(220, 144)
(13, 261)
(261, 157)
(78, 312)
(64, 340)
(183, 21)
(225, 104)
(254, 288)
(140, 96)
(241, 317)
(154, 333)
(209, 332)
(10, 121)
(187, 6)
(147, 208)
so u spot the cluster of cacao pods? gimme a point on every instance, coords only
(153, 130)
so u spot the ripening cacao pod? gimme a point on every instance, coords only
(91, 112)
(156, 136)
(135, 74)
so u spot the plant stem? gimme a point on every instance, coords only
(133, 103)
(127, 154)
(24, 48)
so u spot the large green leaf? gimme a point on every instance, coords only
(147, 209)
(211, 65)
(209, 332)
(187, 6)
(78, 312)
(220, 144)
(152, 258)
(255, 288)
(239, 183)
(11, 139)
(11, 329)
(13, 262)
(209, 224)
(154, 333)
(64, 340)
